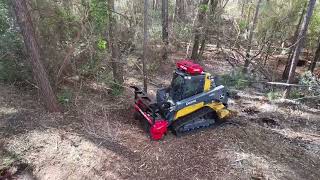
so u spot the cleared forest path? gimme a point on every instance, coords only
(98, 138)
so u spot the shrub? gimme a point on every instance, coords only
(236, 79)
(313, 83)
(11, 71)
(117, 90)
(272, 95)
(65, 96)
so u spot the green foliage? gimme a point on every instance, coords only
(7, 159)
(155, 29)
(10, 71)
(117, 90)
(102, 44)
(4, 23)
(313, 83)
(236, 79)
(154, 64)
(203, 8)
(314, 27)
(242, 25)
(60, 27)
(59, 31)
(10, 40)
(99, 14)
(277, 20)
(296, 93)
(272, 95)
(104, 76)
(307, 78)
(91, 68)
(12, 62)
(183, 31)
(65, 96)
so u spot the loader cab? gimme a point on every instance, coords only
(184, 85)
(188, 80)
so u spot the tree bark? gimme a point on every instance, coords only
(248, 19)
(285, 73)
(212, 17)
(25, 23)
(117, 66)
(299, 46)
(242, 4)
(180, 10)
(165, 33)
(199, 31)
(145, 45)
(316, 58)
(253, 27)
(155, 4)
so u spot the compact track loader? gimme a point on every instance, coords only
(193, 101)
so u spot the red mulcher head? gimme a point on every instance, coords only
(148, 112)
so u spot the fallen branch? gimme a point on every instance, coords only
(286, 84)
(278, 83)
(31, 84)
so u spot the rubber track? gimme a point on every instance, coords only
(186, 119)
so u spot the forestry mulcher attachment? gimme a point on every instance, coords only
(193, 101)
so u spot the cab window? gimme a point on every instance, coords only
(193, 86)
(177, 87)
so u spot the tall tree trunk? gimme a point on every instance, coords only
(248, 19)
(180, 10)
(25, 23)
(210, 19)
(155, 4)
(267, 54)
(198, 30)
(145, 45)
(316, 58)
(117, 66)
(285, 73)
(165, 33)
(242, 4)
(253, 27)
(299, 46)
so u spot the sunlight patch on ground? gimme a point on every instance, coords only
(310, 140)
(256, 167)
(7, 111)
(303, 135)
(266, 107)
(57, 154)
(251, 96)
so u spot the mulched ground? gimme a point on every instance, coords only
(97, 138)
